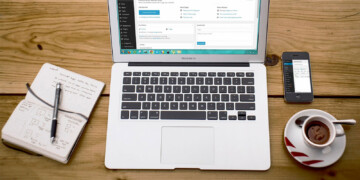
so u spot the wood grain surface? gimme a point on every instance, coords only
(88, 158)
(75, 35)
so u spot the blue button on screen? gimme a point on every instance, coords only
(149, 12)
(200, 43)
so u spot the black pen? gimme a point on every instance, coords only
(55, 113)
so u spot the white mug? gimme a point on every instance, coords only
(333, 131)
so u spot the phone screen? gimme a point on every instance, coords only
(297, 76)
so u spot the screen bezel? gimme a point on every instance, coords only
(117, 57)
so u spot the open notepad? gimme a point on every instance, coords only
(29, 125)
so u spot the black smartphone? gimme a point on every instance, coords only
(297, 77)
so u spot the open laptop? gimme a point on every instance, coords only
(188, 85)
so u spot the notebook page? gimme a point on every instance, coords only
(30, 125)
(78, 93)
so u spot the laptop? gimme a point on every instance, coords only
(188, 85)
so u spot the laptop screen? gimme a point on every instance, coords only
(188, 26)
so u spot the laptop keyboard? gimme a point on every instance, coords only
(188, 96)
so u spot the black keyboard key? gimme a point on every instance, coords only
(227, 81)
(206, 97)
(140, 88)
(183, 74)
(124, 114)
(163, 80)
(151, 97)
(179, 97)
(215, 97)
(149, 88)
(130, 105)
(195, 89)
(155, 73)
(146, 105)
(174, 106)
(199, 81)
(160, 97)
(136, 80)
(223, 115)
(213, 89)
(158, 89)
(245, 106)
(183, 115)
(137, 74)
(249, 74)
(174, 74)
(186, 89)
(183, 106)
(241, 89)
(236, 81)
(193, 73)
(129, 97)
(210, 106)
(212, 74)
(240, 74)
(251, 118)
(155, 105)
(167, 89)
(209, 81)
(192, 106)
(145, 80)
(242, 115)
(143, 114)
(127, 73)
(154, 80)
(190, 81)
(181, 80)
(250, 89)
(221, 74)
(188, 97)
(212, 115)
(230, 74)
(165, 105)
(232, 117)
(202, 73)
(154, 114)
(134, 114)
(234, 98)
(225, 97)
(165, 74)
(127, 80)
(146, 73)
(169, 97)
(247, 98)
(248, 81)
(202, 106)
(229, 106)
(176, 89)
(204, 89)
(172, 80)
(142, 97)
(218, 81)
(220, 106)
(128, 88)
(222, 89)
(197, 97)
(231, 89)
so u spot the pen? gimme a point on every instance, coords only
(55, 113)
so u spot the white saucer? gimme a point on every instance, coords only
(309, 156)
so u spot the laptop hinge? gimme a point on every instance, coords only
(242, 64)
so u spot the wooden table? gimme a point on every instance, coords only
(75, 35)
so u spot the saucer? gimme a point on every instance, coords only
(310, 156)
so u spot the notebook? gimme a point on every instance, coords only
(29, 125)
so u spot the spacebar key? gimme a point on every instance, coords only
(183, 115)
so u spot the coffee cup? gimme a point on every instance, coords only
(319, 131)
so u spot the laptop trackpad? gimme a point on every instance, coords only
(187, 145)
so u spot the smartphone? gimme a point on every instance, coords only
(297, 77)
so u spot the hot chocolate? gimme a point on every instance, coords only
(317, 132)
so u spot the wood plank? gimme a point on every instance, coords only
(75, 35)
(88, 159)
